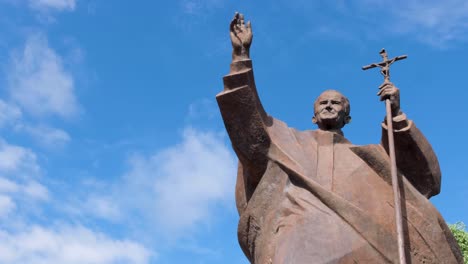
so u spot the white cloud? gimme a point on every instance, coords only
(24, 243)
(18, 183)
(58, 5)
(6, 205)
(174, 190)
(9, 113)
(46, 136)
(7, 186)
(103, 207)
(171, 191)
(199, 7)
(38, 81)
(193, 175)
(31, 189)
(36, 190)
(16, 159)
(435, 22)
(68, 245)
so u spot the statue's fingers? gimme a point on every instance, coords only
(249, 26)
(389, 89)
(388, 93)
(385, 84)
(233, 35)
(233, 21)
(237, 29)
(241, 19)
(383, 92)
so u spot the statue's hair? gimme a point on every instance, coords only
(345, 100)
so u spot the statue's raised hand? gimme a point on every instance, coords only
(241, 37)
(389, 91)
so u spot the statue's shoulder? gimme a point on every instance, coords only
(279, 131)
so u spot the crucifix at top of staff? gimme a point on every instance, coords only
(385, 71)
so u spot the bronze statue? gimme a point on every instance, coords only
(313, 196)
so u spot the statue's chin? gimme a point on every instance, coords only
(330, 119)
(330, 124)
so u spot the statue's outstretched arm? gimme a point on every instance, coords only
(243, 114)
(241, 72)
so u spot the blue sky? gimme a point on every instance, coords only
(112, 149)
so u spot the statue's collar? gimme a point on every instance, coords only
(327, 137)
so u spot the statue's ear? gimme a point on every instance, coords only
(347, 120)
(314, 120)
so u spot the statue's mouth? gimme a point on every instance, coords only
(328, 112)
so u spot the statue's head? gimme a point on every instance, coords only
(331, 111)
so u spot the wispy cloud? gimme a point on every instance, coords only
(38, 81)
(172, 190)
(40, 91)
(104, 207)
(186, 180)
(56, 5)
(20, 242)
(68, 245)
(19, 172)
(9, 113)
(46, 136)
(17, 159)
(26, 243)
(436, 22)
(7, 186)
(198, 7)
(6, 205)
(38, 86)
(36, 190)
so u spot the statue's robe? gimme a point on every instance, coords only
(313, 197)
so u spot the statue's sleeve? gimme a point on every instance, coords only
(245, 120)
(415, 157)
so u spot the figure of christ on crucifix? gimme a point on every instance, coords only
(314, 197)
(384, 65)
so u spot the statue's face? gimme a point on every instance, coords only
(330, 110)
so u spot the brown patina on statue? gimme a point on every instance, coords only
(313, 196)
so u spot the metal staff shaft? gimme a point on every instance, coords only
(395, 185)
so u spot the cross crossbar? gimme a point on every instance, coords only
(384, 65)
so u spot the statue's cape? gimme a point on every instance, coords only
(427, 233)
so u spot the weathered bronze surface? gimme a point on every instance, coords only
(313, 196)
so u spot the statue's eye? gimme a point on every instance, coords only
(323, 102)
(336, 102)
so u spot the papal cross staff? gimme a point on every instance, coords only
(385, 71)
